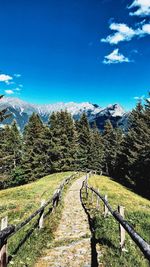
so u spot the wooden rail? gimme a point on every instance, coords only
(7, 231)
(119, 217)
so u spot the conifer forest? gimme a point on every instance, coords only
(67, 145)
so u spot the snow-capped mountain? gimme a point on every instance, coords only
(21, 111)
(73, 108)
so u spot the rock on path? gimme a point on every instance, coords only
(71, 245)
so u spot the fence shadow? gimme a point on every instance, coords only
(94, 260)
(10, 230)
(107, 242)
(118, 215)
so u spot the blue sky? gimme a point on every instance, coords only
(73, 50)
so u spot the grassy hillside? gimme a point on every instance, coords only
(21, 201)
(137, 213)
(18, 203)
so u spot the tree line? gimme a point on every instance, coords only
(64, 144)
(61, 145)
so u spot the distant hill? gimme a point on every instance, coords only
(21, 111)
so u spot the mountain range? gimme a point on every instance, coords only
(21, 111)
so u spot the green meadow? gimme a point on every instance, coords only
(137, 213)
(20, 202)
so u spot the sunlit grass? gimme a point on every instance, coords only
(20, 202)
(137, 213)
(119, 195)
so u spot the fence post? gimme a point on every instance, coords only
(41, 219)
(121, 229)
(86, 184)
(92, 197)
(87, 175)
(55, 199)
(86, 190)
(3, 251)
(98, 200)
(105, 207)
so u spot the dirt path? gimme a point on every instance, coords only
(71, 246)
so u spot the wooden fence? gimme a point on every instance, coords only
(9, 230)
(119, 217)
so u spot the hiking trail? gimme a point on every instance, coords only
(71, 244)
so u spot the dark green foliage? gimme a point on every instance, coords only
(17, 177)
(34, 159)
(133, 163)
(84, 141)
(96, 152)
(65, 145)
(3, 112)
(127, 156)
(63, 141)
(142, 170)
(74, 145)
(10, 150)
(62, 145)
(112, 139)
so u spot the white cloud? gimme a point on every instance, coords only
(9, 92)
(5, 78)
(125, 33)
(143, 8)
(9, 82)
(115, 57)
(139, 98)
(143, 31)
(146, 28)
(20, 85)
(17, 89)
(17, 75)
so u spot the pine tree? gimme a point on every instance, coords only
(34, 161)
(3, 160)
(10, 147)
(147, 111)
(112, 144)
(96, 150)
(84, 141)
(3, 112)
(72, 137)
(63, 133)
(16, 144)
(53, 150)
(142, 175)
(3, 152)
(135, 152)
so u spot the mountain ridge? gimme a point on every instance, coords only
(22, 110)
